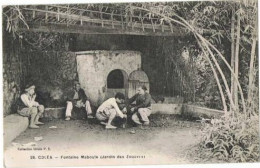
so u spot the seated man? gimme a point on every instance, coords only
(77, 99)
(142, 109)
(109, 109)
(28, 107)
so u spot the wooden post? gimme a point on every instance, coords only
(152, 25)
(81, 21)
(142, 20)
(68, 20)
(46, 14)
(33, 14)
(58, 16)
(162, 28)
(171, 27)
(131, 21)
(122, 20)
(112, 20)
(101, 16)
(173, 83)
(193, 78)
(181, 84)
(131, 18)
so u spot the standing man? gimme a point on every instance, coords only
(142, 109)
(28, 107)
(78, 99)
(109, 109)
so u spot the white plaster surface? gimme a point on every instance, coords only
(94, 66)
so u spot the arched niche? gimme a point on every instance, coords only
(117, 81)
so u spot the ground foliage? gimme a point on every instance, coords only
(176, 121)
(231, 140)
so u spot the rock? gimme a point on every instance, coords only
(132, 132)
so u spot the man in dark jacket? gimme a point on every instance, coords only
(142, 109)
(77, 99)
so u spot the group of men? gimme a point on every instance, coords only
(112, 108)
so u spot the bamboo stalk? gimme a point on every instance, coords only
(232, 51)
(187, 25)
(221, 74)
(216, 77)
(237, 82)
(237, 57)
(251, 68)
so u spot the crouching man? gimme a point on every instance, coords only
(28, 107)
(109, 109)
(142, 109)
(78, 99)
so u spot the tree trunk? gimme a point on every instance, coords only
(237, 59)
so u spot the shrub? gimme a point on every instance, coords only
(232, 139)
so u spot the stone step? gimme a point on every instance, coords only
(14, 125)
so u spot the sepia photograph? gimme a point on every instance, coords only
(130, 83)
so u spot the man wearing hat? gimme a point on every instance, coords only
(77, 99)
(28, 107)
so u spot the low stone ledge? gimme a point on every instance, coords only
(14, 125)
(54, 113)
(196, 111)
(166, 108)
(57, 113)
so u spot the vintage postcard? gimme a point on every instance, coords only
(136, 83)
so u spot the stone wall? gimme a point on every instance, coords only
(12, 74)
(53, 73)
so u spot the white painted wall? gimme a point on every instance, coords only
(94, 66)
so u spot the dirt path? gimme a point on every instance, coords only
(156, 145)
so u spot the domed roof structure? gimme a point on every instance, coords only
(138, 75)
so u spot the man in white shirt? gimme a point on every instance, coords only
(109, 109)
(28, 107)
